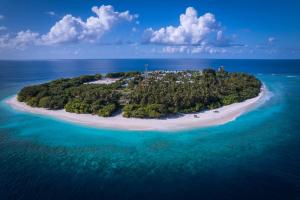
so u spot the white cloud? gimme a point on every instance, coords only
(193, 35)
(51, 13)
(20, 40)
(73, 29)
(223, 41)
(1, 16)
(208, 49)
(25, 38)
(192, 30)
(69, 29)
(175, 49)
(193, 49)
(4, 41)
(3, 28)
(271, 39)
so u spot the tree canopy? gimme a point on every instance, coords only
(160, 94)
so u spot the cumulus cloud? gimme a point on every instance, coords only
(4, 41)
(223, 41)
(73, 29)
(69, 29)
(20, 40)
(194, 34)
(192, 30)
(25, 38)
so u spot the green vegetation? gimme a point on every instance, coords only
(122, 74)
(158, 95)
(73, 95)
(144, 111)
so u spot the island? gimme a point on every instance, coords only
(150, 100)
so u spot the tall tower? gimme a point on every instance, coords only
(146, 70)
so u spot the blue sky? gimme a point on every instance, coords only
(57, 29)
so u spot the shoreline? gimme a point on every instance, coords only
(186, 121)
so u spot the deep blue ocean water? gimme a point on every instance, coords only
(256, 156)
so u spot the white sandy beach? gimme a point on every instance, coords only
(105, 81)
(186, 121)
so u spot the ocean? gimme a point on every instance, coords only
(256, 156)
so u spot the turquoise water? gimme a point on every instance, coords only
(254, 157)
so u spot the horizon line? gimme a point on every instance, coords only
(55, 59)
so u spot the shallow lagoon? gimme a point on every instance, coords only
(253, 157)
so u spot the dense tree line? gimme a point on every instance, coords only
(200, 91)
(158, 95)
(73, 95)
(122, 74)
